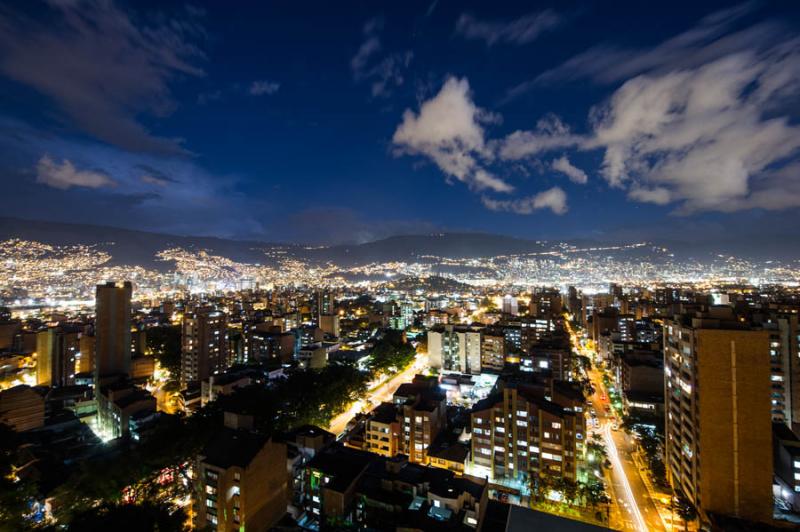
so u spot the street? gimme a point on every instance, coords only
(634, 508)
(381, 393)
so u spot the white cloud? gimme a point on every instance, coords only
(554, 199)
(65, 175)
(261, 87)
(701, 136)
(705, 121)
(550, 134)
(575, 174)
(448, 130)
(383, 73)
(519, 31)
(657, 195)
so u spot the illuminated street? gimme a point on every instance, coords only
(636, 509)
(382, 393)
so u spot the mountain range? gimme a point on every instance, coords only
(132, 247)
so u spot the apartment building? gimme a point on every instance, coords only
(718, 448)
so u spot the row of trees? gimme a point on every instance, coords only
(590, 494)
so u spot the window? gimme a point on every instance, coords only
(521, 423)
(546, 435)
(486, 451)
(501, 430)
(237, 477)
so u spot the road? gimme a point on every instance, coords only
(634, 507)
(637, 510)
(381, 393)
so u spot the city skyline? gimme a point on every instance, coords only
(350, 123)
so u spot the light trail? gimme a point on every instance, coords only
(617, 464)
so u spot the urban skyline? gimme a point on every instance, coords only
(422, 266)
(538, 121)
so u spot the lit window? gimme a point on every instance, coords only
(556, 425)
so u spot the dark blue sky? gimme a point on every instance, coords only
(338, 121)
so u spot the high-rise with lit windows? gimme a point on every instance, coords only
(718, 448)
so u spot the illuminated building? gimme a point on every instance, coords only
(718, 448)
(493, 350)
(519, 434)
(112, 330)
(124, 410)
(510, 305)
(204, 348)
(453, 348)
(242, 479)
(57, 351)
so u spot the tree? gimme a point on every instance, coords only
(685, 509)
(130, 517)
(164, 342)
(541, 486)
(15, 494)
(597, 449)
(568, 489)
(391, 353)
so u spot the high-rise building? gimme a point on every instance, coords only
(325, 303)
(453, 348)
(57, 351)
(784, 355)
(718, 448)
(112, 330)
(204, 347)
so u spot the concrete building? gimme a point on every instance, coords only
(112, 330)
(453, 348)
(784, 355)
(123, 410)
(518, 434)
(493, 350)
(57, 355)
(204, 348)
(718, 448)
(546, 303)
(411, 423)
(510, 305)
(243, 483)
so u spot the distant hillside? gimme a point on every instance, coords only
(139, 248)
(409, 247)
(127, 247)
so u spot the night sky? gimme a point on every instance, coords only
(332, 122)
